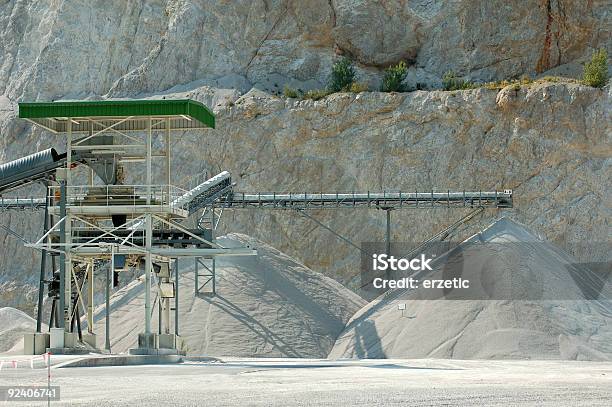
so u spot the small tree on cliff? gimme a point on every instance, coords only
(342, 75)
(596, 70)
(394, 77)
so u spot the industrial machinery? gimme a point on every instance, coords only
(95, 219)
(98, 217)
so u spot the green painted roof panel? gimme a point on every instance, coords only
(118, 109)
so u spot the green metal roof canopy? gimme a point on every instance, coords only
(122, 115)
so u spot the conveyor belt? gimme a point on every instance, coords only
(394, 200)
(31, 168)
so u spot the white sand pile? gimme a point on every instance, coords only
(572, 321)
(13, 324)
(266, 305)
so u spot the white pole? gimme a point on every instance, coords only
(108, 279)
(68, 236)
(166, 314)
(148, 237)
(90, 297)
(168, 152)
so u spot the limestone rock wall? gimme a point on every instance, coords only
(87, 48)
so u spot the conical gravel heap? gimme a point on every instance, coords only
(549, 308)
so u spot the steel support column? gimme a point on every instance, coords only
(214, 276)
(196, 277)
(110, 269)
(176, 297)
(388, 239)
(148, 235)
(90, 296)
(62, 286)
(388, 232)
(67, 293)
(43, 269)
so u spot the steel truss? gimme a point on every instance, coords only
(393, 200)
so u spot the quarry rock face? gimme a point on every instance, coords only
(550, 143)
(153, 46)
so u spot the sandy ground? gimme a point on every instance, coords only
(302, 382)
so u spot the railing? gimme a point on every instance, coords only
(119, 195)
(22, 203)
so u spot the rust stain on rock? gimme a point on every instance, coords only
(544, 61)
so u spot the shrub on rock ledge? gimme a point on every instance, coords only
(450, 81)
(394, 77)
(596, 70)
(342, 75)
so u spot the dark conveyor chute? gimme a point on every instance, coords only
(31, 168)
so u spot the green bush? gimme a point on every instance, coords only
(290, 92)
(596, 70)
(342, 75)
(450, 81)
(393, 78)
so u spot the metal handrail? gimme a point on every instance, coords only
(129, 195)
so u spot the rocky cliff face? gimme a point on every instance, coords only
(81, 48)
(550, 143)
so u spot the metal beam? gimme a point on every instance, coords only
(148, 236)
(43, 270)
(107, 292)
(62, 224)
(192, 252)
(176, 297)
(329, 229)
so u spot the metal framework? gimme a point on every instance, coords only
(112, 222)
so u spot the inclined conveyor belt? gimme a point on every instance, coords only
(31, 168)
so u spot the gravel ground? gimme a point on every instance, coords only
(301, 382)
